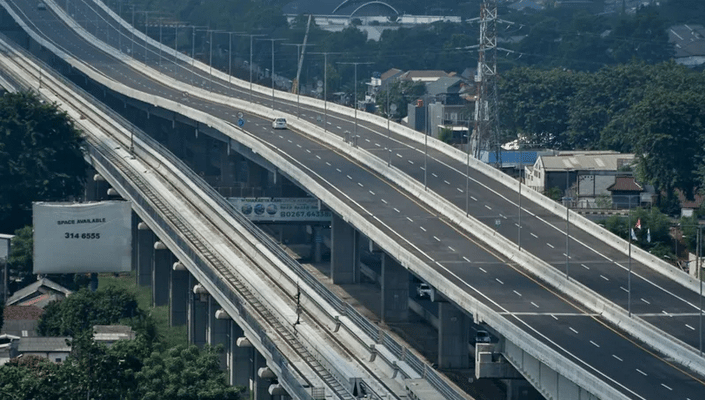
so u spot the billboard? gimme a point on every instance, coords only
(294, 209)
(82, 237)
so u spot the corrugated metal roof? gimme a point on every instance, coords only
(598, 162)
(44, 344)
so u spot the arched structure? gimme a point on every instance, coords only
(364, 4)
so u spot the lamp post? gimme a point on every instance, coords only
(355, 94)
(299, 53)
(567, 200)
(272, 71)
(251, 42)
(325, 88)
(193, 51)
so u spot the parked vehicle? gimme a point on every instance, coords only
(483, 336)
(423, 290)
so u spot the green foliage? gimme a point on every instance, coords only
(21, 258)
(40, 157)
(185, 373)
(554, 193)
(400, 93)
(83, 309)
(445, 135)
(653, 223)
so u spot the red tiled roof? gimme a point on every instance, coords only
(22, 312)
(695, 203)
(625, 184)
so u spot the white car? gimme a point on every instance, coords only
(279, 123)
(41, 6)
(483, 336)
(423, 290)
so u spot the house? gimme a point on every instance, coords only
(511, 162)
(688, 207)
(423, 76)
(109, 334)
(39, 293)
(625, 192)
(55, 349)
(585, 176)
(443, 107)
(21, 321)
(689, 44)
(8, 347)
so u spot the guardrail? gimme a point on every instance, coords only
(532, 346)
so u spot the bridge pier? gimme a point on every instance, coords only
(198, 314)
(343, 259)
(161, 268)
(239, 357)
(395, 290)
(218, 329)
(178, 295)
(259, 387)
(145, 252)
(453, 337)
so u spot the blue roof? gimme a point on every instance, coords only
(510, 157)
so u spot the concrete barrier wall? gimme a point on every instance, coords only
(411, 262)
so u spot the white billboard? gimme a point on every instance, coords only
(303, 209)
(82, 237)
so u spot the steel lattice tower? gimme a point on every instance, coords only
(485, 136)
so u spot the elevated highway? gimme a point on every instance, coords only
(463, 261)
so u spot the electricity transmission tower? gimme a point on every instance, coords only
(485, 136)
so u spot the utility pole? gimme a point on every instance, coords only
(271, 74)
(300, 48)
(251, 38)
(486, 133)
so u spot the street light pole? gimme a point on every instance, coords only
(355, 93)
(629, 273)
(567, 225)
(299, 52)
(251, 42)
(271, 74)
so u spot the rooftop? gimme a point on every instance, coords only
(44, 344)
(625, 184)
(597, 161)
(22, 312)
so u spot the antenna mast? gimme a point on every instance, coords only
(486, 133)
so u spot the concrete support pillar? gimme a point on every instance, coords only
(145, 253)
(239, 357)
(317, 243)
(453, 337)
(161, 270)
(218, 329)
(395, 291)
(259, 386)
(135, 220)
(343, 268)
(198, 314)
(179, 294)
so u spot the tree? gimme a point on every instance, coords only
(83, 309)
(666, 129)
(40, 157)
(185, 373)
(21, 258)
